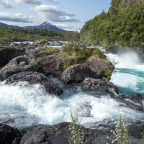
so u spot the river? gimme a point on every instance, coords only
(23, 107)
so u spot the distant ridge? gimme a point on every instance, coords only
(44, 25)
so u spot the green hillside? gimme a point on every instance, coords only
(123, 24)
(21, 34)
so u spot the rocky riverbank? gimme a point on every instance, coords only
(33, 64)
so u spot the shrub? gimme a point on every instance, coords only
(108, 73)
(52, 50)
(75, 130)
(80, 53)
(121, 132)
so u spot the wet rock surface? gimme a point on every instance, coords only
(60, 134)
(76, 73)
(35, 78)
(9, 135)
(102, 85)
(16, 65)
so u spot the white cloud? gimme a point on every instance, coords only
(53, 14)
(33, 1)
(63, 26)
(6, 4)
(17, 17)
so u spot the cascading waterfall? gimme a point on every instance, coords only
(129, 72)
(27, 106)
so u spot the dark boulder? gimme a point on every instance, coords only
(51, 64)
(18, 64)
(60, 134)
(9, 135)
(76, 73)
(133, 100)
(99, 85)
(35, 78)
(6, 54)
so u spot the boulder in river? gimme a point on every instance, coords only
(133, 100)
(18, 64)
(100, 67)
(99, 85)
(35, 78)
(76, 73)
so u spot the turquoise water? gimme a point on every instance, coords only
(129, 72)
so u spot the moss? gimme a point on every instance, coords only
(68, 62)
(52, 50)
(108, 73)
(98, 52)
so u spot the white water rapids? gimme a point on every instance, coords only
(24, 107)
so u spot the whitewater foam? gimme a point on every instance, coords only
(22, 107)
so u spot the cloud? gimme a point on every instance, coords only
(63, 26)
(53, 14)
(36, 2)
(17, 17)
(6, 4)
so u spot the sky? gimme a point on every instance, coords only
(65, 14)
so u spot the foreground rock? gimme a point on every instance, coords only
(6, 54)
(35, 78)
(102, 85)
(9, 135)
(60, 134)
(18, 64)
(76, 73)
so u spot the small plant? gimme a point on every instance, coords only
(75, 130)
(142, 141)
(108, 73)
(121, 132)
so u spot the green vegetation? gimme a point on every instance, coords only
(52, 50)
(68, 63)
(108, 73)
(121, 132)
(19, 34)
(121, 25)
(75, 130)
(80, 53)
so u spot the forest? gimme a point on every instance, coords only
(122, 25)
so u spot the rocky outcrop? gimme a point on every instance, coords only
(51, 64)
(35, 78)
(6, 54)
(60, 134)
(18, 64)
(132, 100)
(9, 135)
(102, 85)
(76, 73)
(100, 67)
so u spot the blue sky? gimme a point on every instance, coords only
(66, 14)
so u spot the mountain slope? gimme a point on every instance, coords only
(44, 25)
(123, 24)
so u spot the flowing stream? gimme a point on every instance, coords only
(24, 107)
